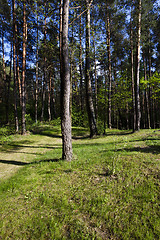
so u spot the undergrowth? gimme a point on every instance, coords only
(109, 191)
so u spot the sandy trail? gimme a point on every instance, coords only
(24, 150)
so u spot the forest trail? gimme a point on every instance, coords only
(22, 151)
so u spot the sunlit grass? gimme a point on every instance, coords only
(109, 191)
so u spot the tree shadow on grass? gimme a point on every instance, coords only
(19, 163)
(118, 133)
(149, 149)
(45, 133)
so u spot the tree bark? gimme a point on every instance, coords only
(49, 98)
(4, 76)
(45, 66)
(14, 67)
(146, 94)
(80, 63)
(138, 111)
(89, 101)
(132, 76)
(65, 88)
(24, 69)
(36, 94)
(109, 69)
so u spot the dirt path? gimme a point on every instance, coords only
(22, 151)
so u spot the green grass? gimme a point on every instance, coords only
(109, 191)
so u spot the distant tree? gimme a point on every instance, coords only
(89, 100)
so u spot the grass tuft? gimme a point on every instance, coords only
(109, 191)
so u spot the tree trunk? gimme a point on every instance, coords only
(95, 75)
(138, 111)
(80, 63)
(89, 101)
(105, 105)
(109, 68)
(24, 68)
(146, 94)
(132, 76)
(14, 67)
(49, 98)
(36, 95)
(65, 88)
(19, 83)
(4, 77)
(45, 66)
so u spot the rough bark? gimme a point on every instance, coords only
(65, 88)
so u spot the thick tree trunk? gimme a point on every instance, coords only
(89, 101)
(109, 68)
(138, 111)
(14, 67)
(24, 69)
(65, 88)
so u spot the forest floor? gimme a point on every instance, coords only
(109, 191)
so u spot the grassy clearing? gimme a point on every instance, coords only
(109, 191)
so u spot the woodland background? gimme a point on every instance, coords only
(124, 57)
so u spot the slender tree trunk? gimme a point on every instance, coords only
(4, 77)
(71, 71)
(14, 67)
(36, 95)
(132, 76)
(24, 68)
(65, 88)
(105, 105)
(89, 101)
(19, 83)
(109, 68)
(49, 98)
(152, 116)
(60, 37)
(146, 94)
(80, 63)
(45, 66)
(138, 111)
(95, 75)
(9, 82)
(43, 95)
(53, 99)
